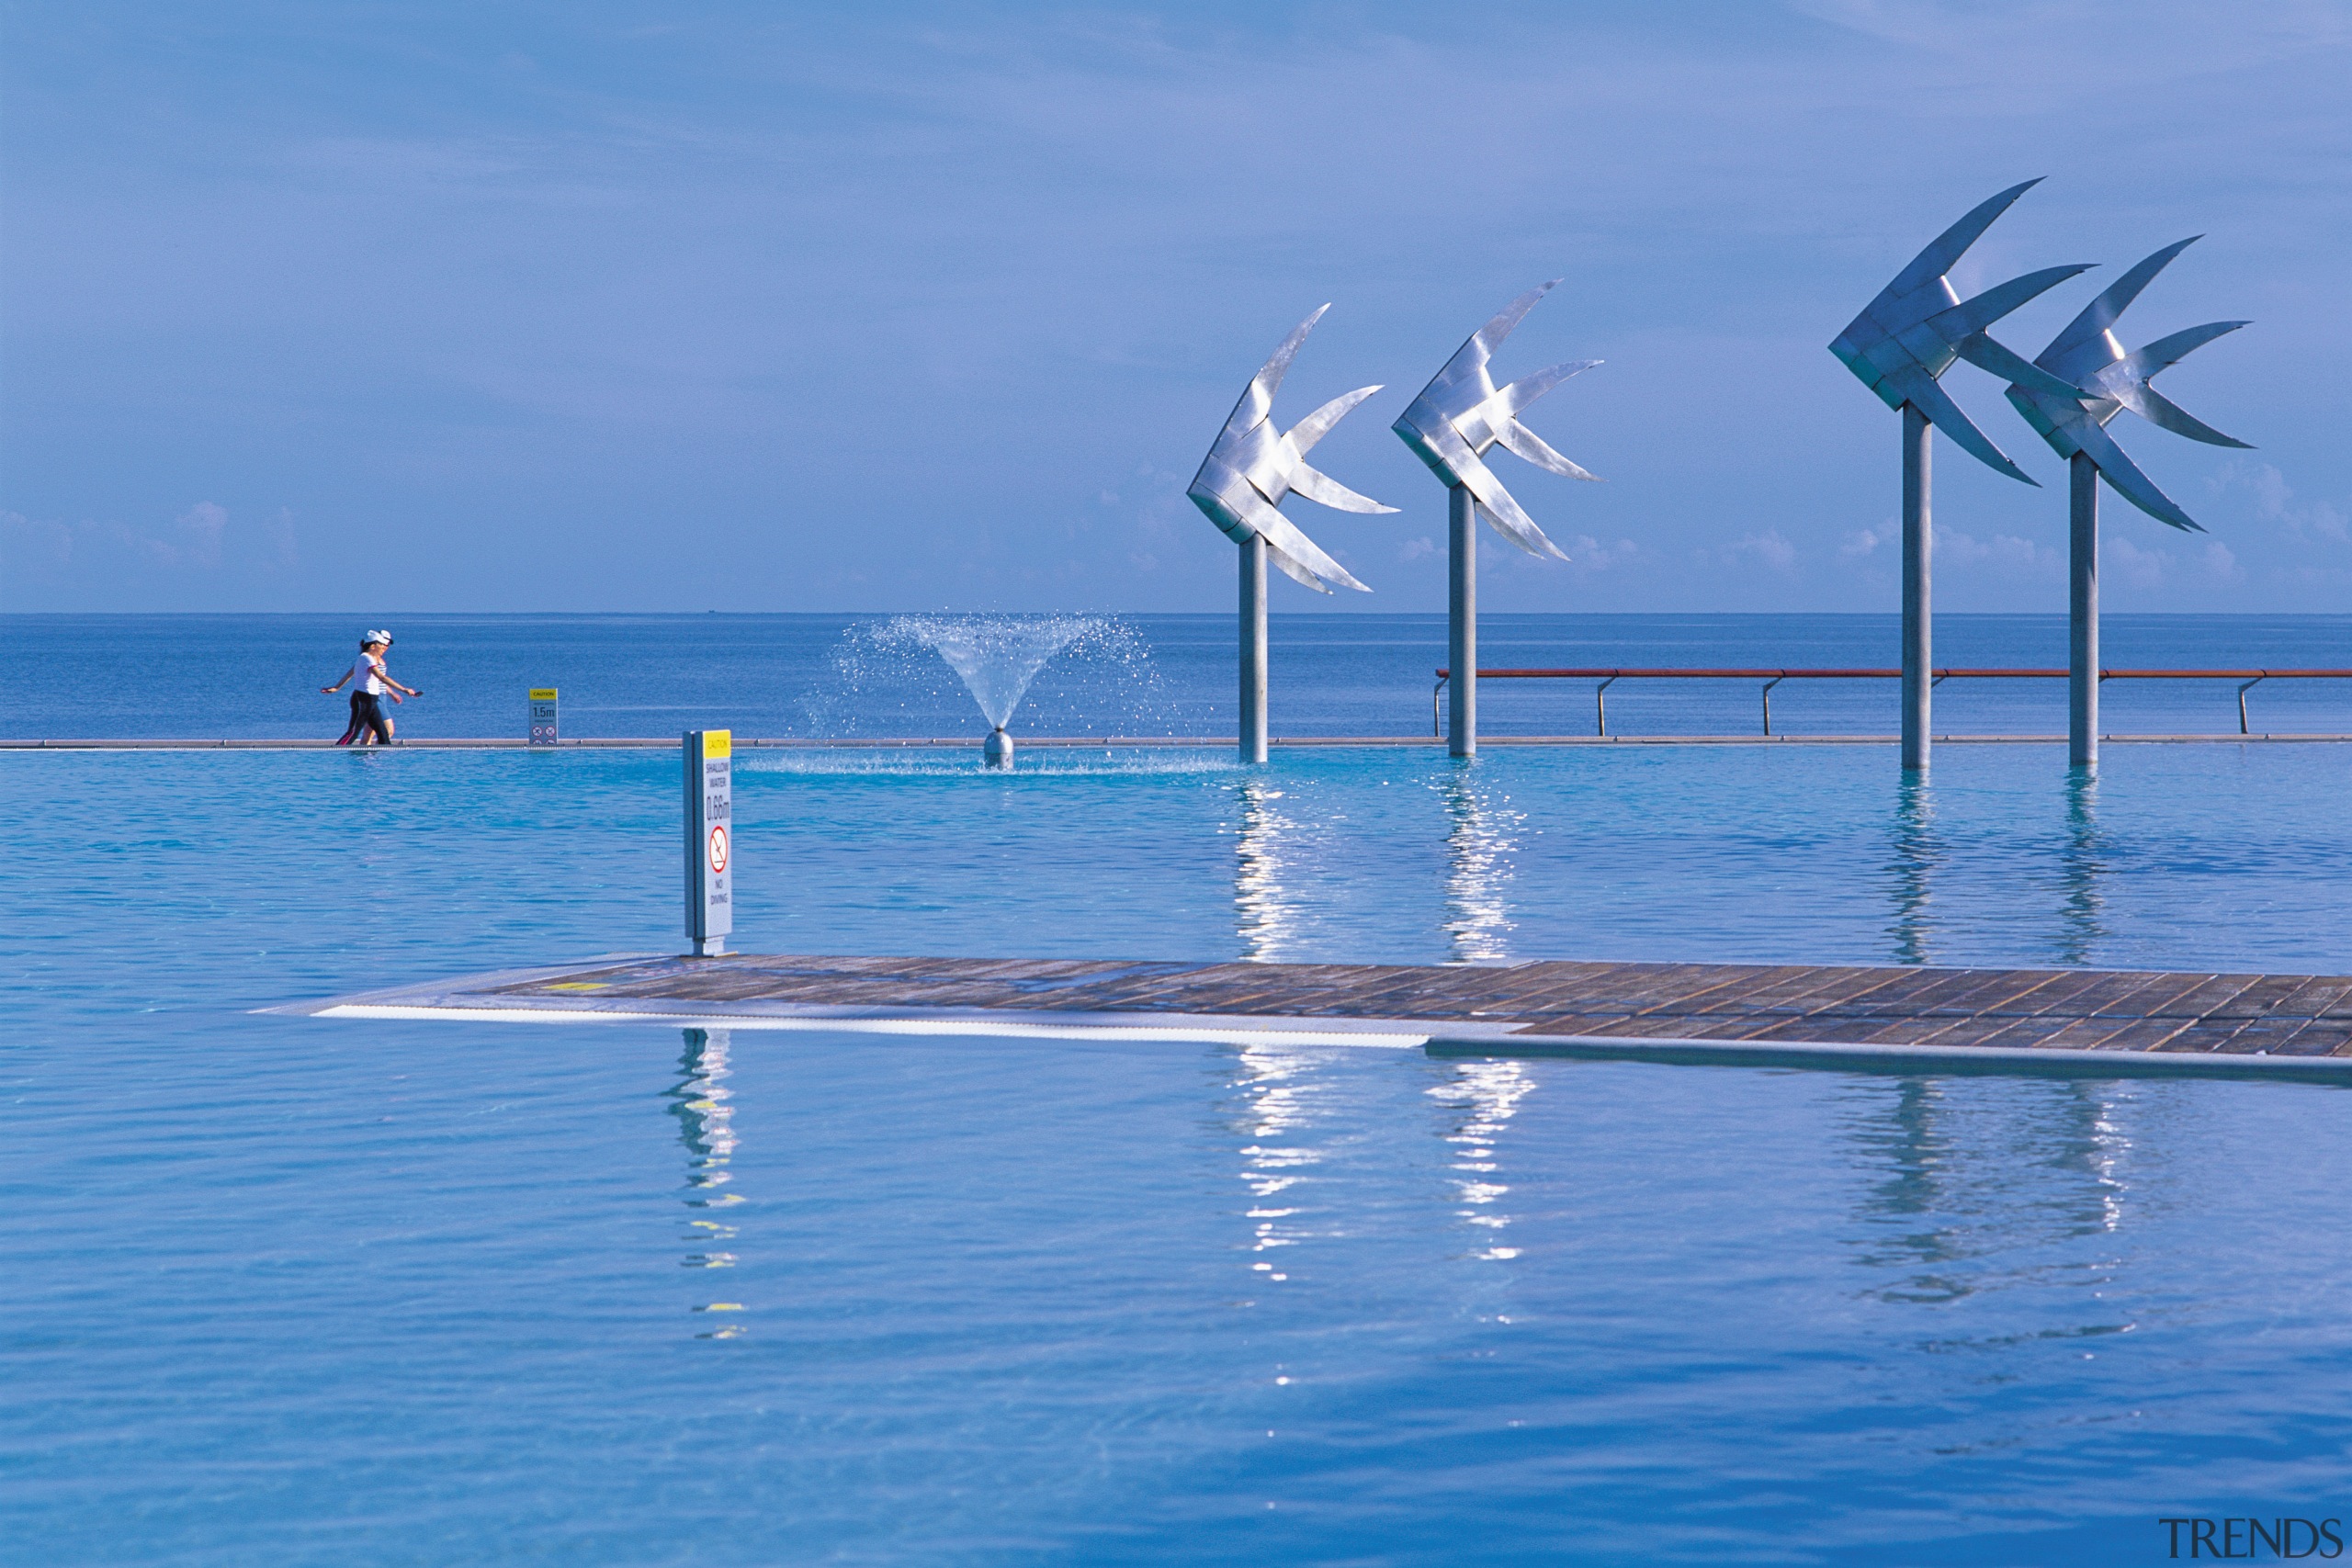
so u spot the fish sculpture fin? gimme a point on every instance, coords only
(1524, 443)
(1920, 390)
(1525, 534)
(2127, 382)
(1257, 397)
(2123, 476)
(2084, 332)
(1527, 389)
(1482, 343)
(1290, 568)
(1976, 314)
(1317, 425)
(1947, 247)
(1988, 355)
(2159, 410)
(1282, 535)
(1318, 486)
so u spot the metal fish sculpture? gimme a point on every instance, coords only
(2102, 380)
(1462, 413)
(1918, 325)
(1253, 466)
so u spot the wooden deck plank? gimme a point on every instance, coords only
(2160, 991)
(1821, 1030)
(1781, 987)
(1947, 1006)
(1989, 990)
(1849, 989)
(2282, 995)
(1960, 1031)
(2144, 1034)
(2269, 1032)
(2319, 1037)
(2213, 993)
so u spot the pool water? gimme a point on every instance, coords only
(309, 1292)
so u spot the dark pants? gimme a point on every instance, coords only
(367, 714)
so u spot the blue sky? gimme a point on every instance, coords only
(709, 306)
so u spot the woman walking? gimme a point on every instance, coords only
(371, 684)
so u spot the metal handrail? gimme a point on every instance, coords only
(1609, 675)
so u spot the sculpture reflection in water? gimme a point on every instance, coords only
(706, 1123)
(2083, 861)
(1478, 845)
(1980, 1171)
(1911, 866)
(1265, 911)
(1279, 1088)
(1484, 1097)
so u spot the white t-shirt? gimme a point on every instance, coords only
(366, 667)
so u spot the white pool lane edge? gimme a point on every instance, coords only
(1222, 1031)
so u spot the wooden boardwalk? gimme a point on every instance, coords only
(2103, 1019)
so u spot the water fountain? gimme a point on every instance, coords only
(997, 659)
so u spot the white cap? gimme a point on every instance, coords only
(384, 638)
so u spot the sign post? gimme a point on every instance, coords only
(543, 730)
(710, 840)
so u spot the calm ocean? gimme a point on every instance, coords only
(82, 676)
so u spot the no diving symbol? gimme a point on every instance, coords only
(718, 849)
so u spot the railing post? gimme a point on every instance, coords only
(1448, 688)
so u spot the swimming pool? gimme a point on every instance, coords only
(390, 1293)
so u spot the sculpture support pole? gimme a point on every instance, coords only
(1462, 623)
(1918, 630)
(1253, 649)
(2082, 607)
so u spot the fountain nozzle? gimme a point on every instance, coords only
(998, 751)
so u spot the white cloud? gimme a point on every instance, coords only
(197, 542)
(1863, 542)
(105, 555)
(2132, 565)
(28, 543)
(2273, 502)
(1415, 548)
(1590, 554)
(1769, 549)
(2004, 552)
